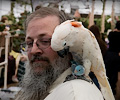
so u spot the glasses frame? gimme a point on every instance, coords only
(39, 43)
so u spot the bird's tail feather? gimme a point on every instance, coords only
(105, 88)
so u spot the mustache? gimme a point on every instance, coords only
(38, 57)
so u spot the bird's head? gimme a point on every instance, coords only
(59, 40)
(62, 38)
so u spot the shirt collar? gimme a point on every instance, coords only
(60, 79)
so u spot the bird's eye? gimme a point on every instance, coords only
(64, 43)
(79, 69)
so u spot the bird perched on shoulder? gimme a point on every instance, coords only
(72, 36)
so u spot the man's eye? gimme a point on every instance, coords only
(29, 44)
(45, 41)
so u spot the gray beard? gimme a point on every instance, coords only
(35, 86)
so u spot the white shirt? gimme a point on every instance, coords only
(73, 90)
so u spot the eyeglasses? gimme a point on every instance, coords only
(42, 43)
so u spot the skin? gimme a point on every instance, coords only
(41, 27)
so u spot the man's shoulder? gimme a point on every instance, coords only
(77, 84)
(75, 89)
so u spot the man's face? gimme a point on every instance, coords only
(44, 65)
(42, 29)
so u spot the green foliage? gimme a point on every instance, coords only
(16, 29)
(84, 21)
(19, 25)
(98, 22)
(2, 26)
(107, 25)
(16, 42)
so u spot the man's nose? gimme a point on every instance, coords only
(35, 49)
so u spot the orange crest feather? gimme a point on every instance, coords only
(75, 24)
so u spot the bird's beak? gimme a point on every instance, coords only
(63, 52)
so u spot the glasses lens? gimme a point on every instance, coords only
(43, 43)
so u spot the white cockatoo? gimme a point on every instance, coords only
(84, 47)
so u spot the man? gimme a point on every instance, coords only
(45, 70)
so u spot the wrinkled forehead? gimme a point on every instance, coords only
(47, 19)
(44, 26)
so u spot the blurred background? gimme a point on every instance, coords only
(102, 13)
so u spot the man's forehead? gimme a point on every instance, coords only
(42, 26)
(43, 35)
(47, 18)
(48, 21)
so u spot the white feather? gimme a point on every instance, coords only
(84, 45)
